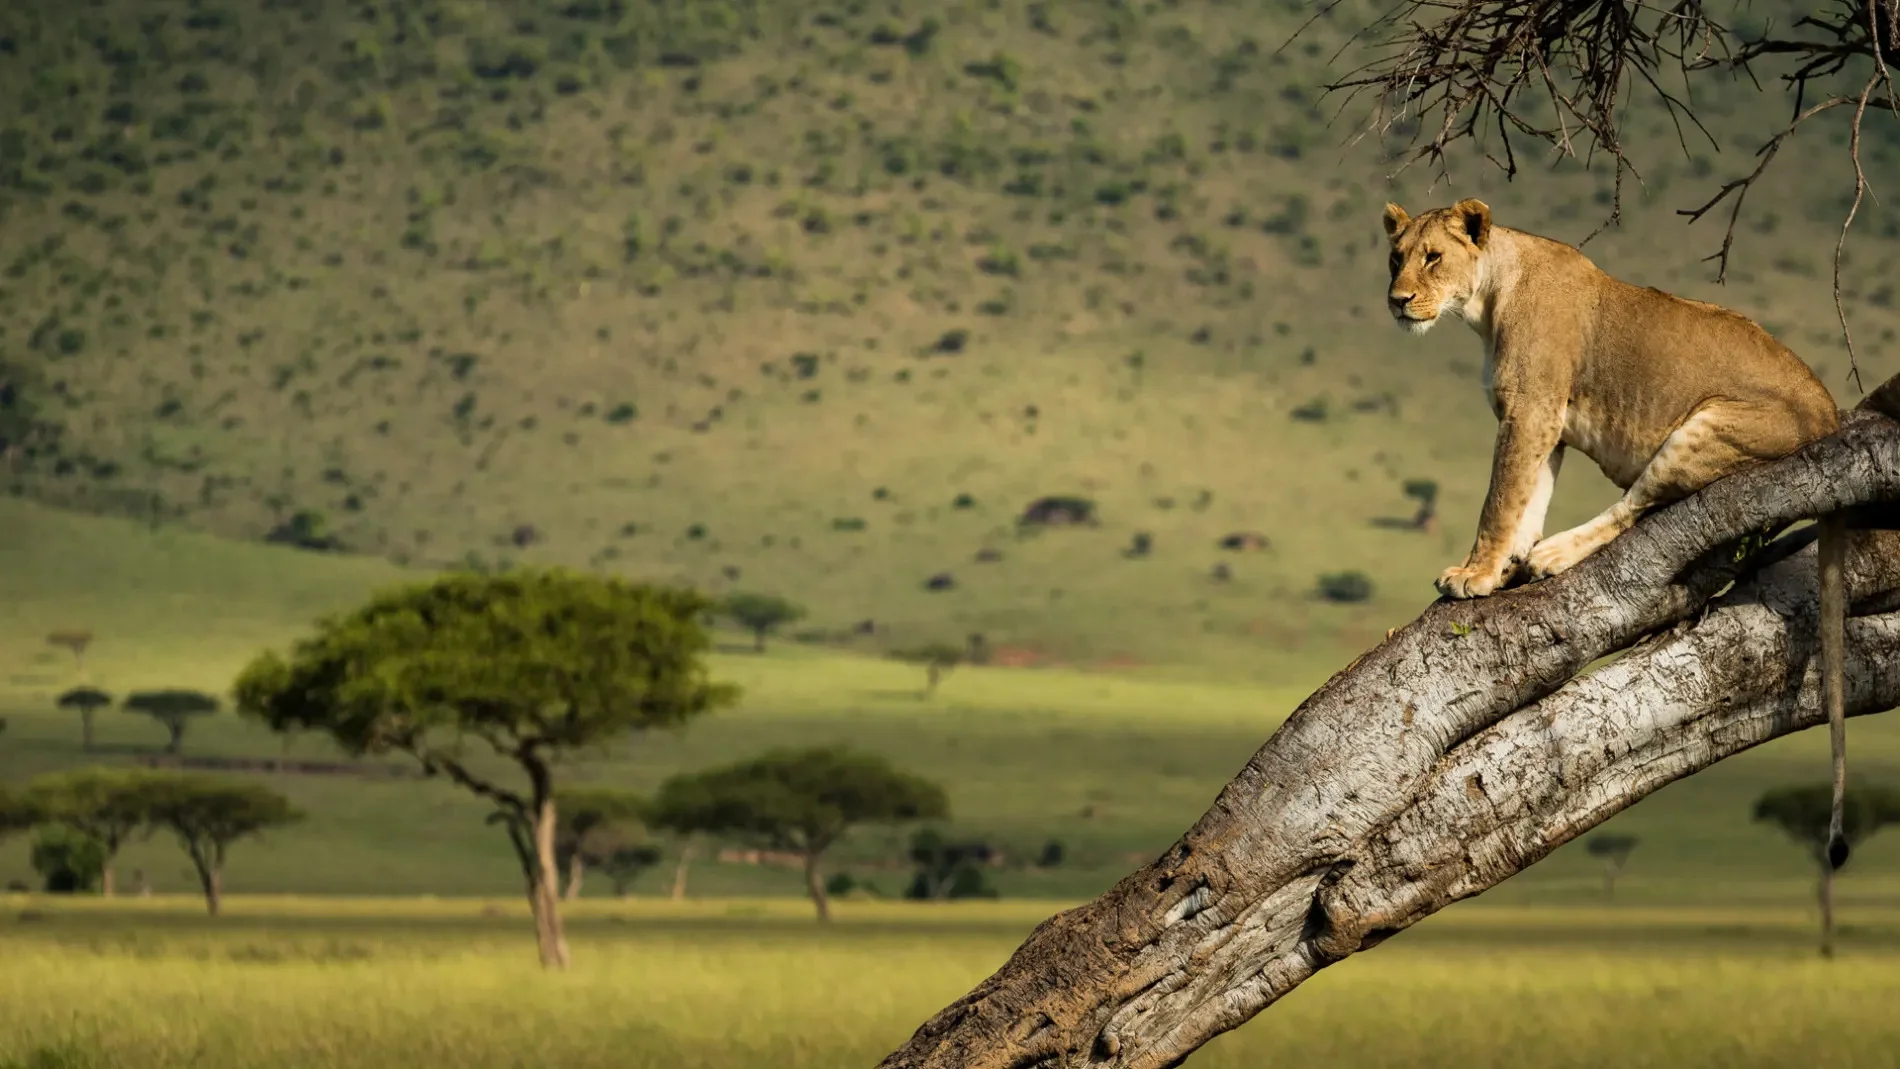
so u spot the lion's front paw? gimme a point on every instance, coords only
(1470, 581)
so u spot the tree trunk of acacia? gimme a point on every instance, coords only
(1461, 750)
(105, 879)
(210, 879)
(679, 870)
(815, 886)
(544, 891)
(576, 871)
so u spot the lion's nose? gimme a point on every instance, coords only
(1398, 301)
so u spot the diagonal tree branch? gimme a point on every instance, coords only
(1456, 753)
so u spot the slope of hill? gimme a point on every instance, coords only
(809, 298)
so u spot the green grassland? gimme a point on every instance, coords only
(747, 293)
(1113, 764)
(754, 984)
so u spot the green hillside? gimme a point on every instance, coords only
(807, 298)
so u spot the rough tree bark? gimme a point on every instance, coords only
(1461, 750)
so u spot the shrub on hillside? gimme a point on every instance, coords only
(1345, 587)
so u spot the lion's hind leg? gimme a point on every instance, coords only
(1713, 441)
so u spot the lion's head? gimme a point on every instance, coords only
(1435, 261)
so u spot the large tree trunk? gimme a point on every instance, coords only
(544, 893)
(1460, 751)
(105, 879)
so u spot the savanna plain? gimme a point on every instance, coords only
(303, 300)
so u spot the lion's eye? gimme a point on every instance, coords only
(1431, 258)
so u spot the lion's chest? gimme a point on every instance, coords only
(1605, 442)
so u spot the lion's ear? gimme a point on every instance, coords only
(1476, 217)
(1395, 220)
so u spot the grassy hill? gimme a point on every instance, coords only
(807, 298)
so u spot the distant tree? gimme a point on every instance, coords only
(87, 701)
(761, 614)
(592, 823)
(535, 664)
(1425, 492)
(16, 815)
(947, 869)
(174, 709)
(1614, 851)
(108, 806)
(937, 659)
(69, 862)
(208, 814)
(73, 642)
(306, 530)
(802, 801)
(624, 862)
(1803, 813)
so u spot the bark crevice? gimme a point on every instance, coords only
(1462, 749)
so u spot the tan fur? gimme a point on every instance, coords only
(1664, 393)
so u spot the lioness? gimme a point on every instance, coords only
(1664, 393)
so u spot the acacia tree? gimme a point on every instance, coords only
(1566, 74)
(801, 801)
(761, 614)
(109, 806)
(624, 860)
(1614, 852)
(73, 642)
(87, 701)
(1803, 813)
(209, 814)
(1465, 747)
(937, 659)
(531, 664)
(594, 826)
(174, 709)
